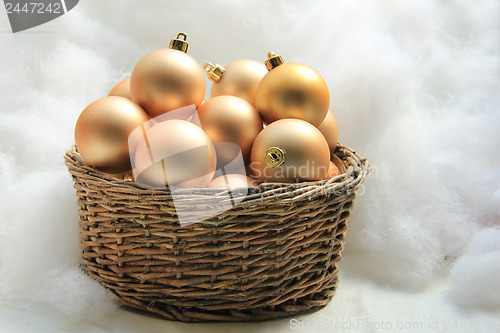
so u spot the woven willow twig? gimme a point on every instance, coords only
(274, 255)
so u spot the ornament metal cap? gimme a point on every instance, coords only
(273, 60)
(275, 157)
(214, 72)
(179, 43)
(128, 177)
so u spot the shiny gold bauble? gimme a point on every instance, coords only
(122, 89)
(102, 131)
(165, 80)
(330, 131)
(230, 119)
(292, 90)
(232, 181)
(290, 150)
(177, 153)
(240, 78)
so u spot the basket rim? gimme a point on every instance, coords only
(356, 170)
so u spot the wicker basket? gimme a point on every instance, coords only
(274, 255)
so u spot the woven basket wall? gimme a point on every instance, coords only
(274, 255)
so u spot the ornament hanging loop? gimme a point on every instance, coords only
(273, 60)
(180, 42)
(214, 72)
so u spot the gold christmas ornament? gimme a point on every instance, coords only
(230, 119)
(167, 79)
(332, 171)
(232, 181)
(330, 131)
(290, 150)
(291, 90)
(102, 130)
(122, 89)
(240, 78)
(175, 152)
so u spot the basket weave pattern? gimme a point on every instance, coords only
(273, 255)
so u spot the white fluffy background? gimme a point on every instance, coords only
(415, 89)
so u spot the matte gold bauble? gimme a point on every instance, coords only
(102, 130)
(240, 78)
(230, 119)
(232, 181)
(291, 90)
(167, 79)
(122, 89)
(330, 131)
(290, 150)
(332, 171)
(175, 152)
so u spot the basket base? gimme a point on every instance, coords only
(165, 308)
(174, 313)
